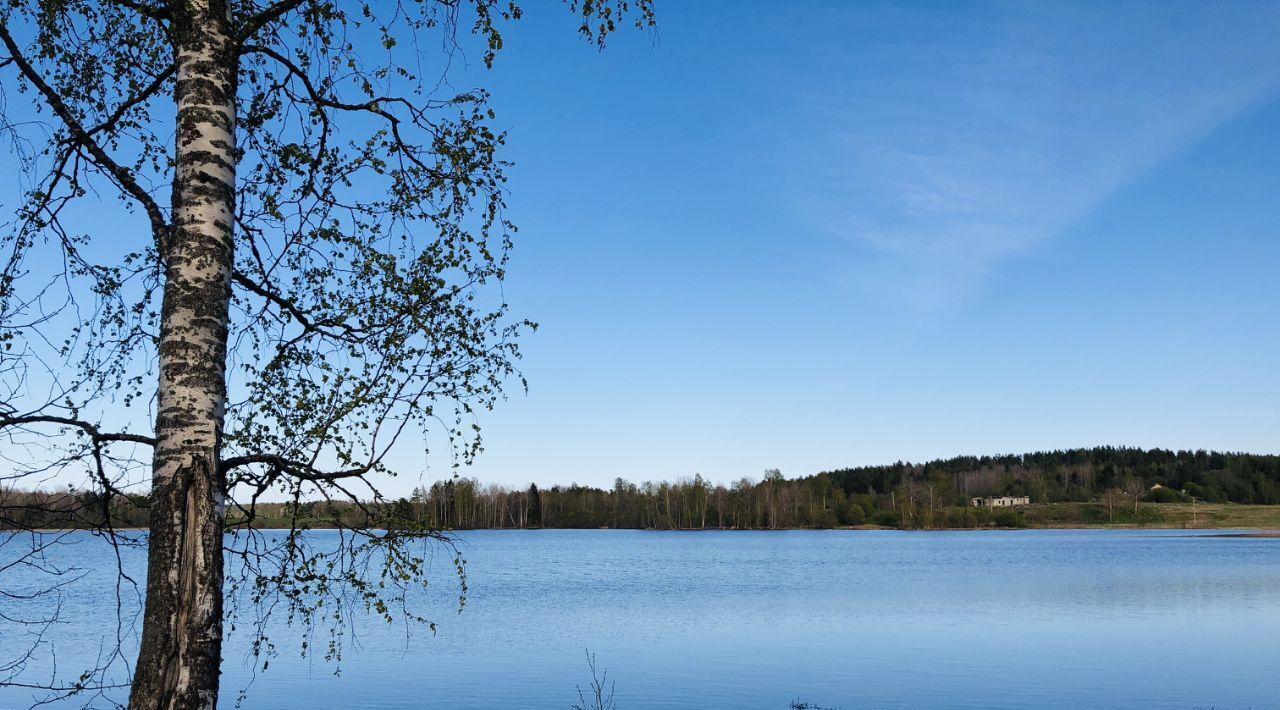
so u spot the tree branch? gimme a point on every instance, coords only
(266, 17)
(346, 333)
(145, 94)
(296, 469)
(97, 435)
(122, 176)
(158, 13)
(373, 106)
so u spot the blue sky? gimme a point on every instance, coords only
(817, 235)
(838, 234)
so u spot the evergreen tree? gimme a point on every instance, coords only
(535, 506)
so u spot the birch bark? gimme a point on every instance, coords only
(181, 651)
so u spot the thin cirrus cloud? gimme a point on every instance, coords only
(955, 143)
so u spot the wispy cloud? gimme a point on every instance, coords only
(944, 146)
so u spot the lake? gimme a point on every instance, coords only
(840, 619)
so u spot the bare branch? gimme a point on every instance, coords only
(95, 434)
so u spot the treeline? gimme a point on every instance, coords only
(934, 494)
(771, 503)
(71, 509)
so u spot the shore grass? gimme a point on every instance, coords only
(1154, 515)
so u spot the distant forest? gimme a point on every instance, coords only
(934, 494)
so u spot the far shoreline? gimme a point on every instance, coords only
(1228, 519)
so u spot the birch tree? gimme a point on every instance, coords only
(320, 232)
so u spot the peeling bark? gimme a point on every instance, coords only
(178, 664)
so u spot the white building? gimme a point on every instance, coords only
(1001, 502)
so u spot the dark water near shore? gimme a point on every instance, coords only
(850, 619)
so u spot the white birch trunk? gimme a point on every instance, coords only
(181, 652)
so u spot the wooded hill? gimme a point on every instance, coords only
(1079, 475)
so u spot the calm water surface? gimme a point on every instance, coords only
(848, 619)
